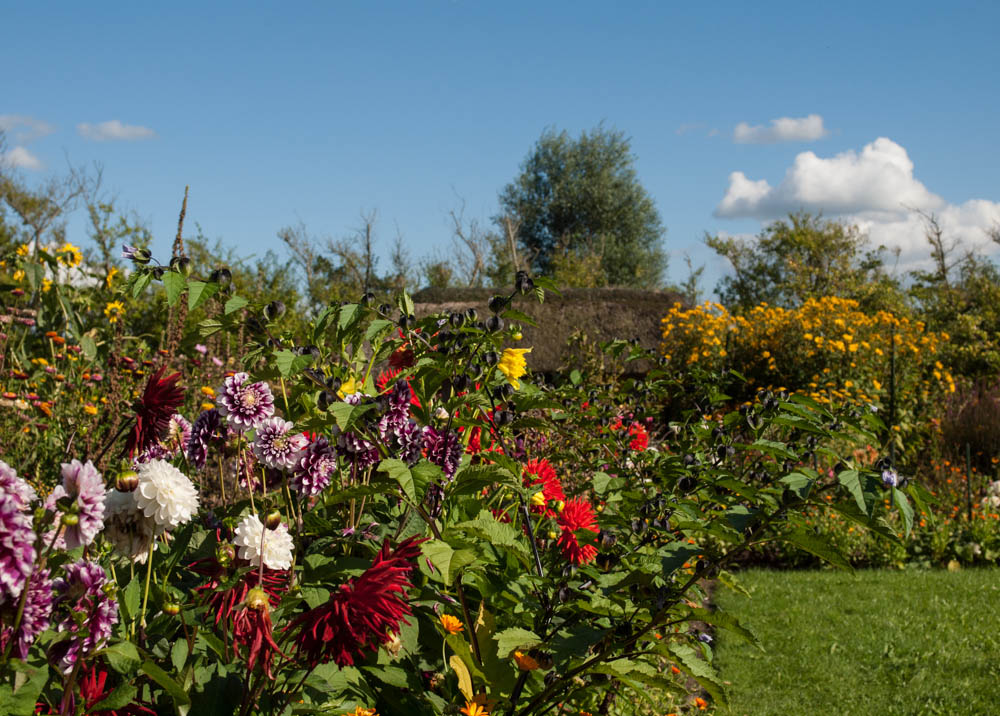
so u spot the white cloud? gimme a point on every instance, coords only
(874, 188)
(23, 128)
(113, 130)
(20, 158)
(783, 129)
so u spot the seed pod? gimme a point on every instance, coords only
(273, 520)
(274, 310)
(497, 303)
(471, 315)
(221, 276)
(456, 320)
(181, 264)
(523, 282)
(494, 324)
(127, 481)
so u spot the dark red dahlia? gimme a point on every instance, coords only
(361, 614)
(577, 515)
(153, 411)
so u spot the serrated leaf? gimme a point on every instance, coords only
(775, 449)
(376, 327)
(515, 639)
(199, 292)
(728, 622)
(174, 283)
(345, 414)
(208, 327)
(493, 531)
(234, 304)
(700, 670)
(290, 363)
(179, 654)
(141, 282)
(473, 478)
(23, 699)
(851, 479)
(817, 545)
(123, 657)
(398, 471)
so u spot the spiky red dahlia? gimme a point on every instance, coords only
(545, 476)
(577, 515)
(153, 411)
(362, 613)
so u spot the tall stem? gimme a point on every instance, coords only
(145, 591)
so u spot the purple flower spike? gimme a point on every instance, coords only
(245, 405)
(443, 449)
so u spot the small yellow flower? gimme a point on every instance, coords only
(90, 409)
(19, 275)
(111, 276)
(207, 406)
(348, 387)
(474, 709)
(69, 255)
(23, 250)
(452, 625)
(513, 364)
(208, 390)
(46, 285)
(114, 310)
(538, 499)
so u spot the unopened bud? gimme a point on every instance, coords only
(70, 519)
(393, 645)
(257, 600)
(273, 520)
(181, 264)
(172, 608)
(538, 499)
(274, 310)
(225, 553)
(127, 481)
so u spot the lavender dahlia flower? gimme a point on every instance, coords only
(315, 468)
(277, 446)
(245, 405)
(81, 592)
(35, 619)
(15, 486)
(83, 483)
(17, 547)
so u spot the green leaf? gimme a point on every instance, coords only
(129, 599)
(199, 292)
(290, 363)
(700, 670)
(175, 690)
(89, 347)
(398, 471)
(123, 657)
(473, 478)
(798, 483)
(904, 508)
(23, 698)
(234, 304)
(345, 414)
(601, 482)
(209, 327)
(493, 531)
(817, 545)
(117, 699)
(405, 303)
(174, 283)
(775, 449)
(376, 327)
(515, 639)
(179, 654)
(348, 315)
(851, 479)
(446, 560)
(140, 283)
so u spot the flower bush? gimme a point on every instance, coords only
(362, 511)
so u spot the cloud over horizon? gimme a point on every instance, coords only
(114, 130)
(20, 158)
(874, 188)
(783, 129)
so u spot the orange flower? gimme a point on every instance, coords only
(700, 703)
(361, 711)
(674, 670)
(451, 624)
(474, 709)
(525, 662)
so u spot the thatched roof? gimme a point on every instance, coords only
(602, 313)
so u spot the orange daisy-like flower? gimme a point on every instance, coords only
(361, 711)
(525, 662)
(700, 703)
(474, 709)
(451, 624)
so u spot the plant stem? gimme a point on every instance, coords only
(145, 591)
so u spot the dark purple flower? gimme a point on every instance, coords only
(443, 449)
(128, 252)
(315, 468)
(81, 592)
(17, 546)
(15, 486)
(83, 483)
(35, 619)
(208, 428)
(153, 411)
(245, 405)
(276, 445)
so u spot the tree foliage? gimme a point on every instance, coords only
(581, 197)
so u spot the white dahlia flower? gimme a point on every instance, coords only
(254, 540)
(126, 527)
(165, 494)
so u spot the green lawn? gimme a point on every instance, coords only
(872, 642)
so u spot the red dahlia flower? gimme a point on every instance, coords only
(153, 411)
(362, 613)
(577, 515)
(545, 476)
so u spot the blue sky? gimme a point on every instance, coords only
(315, 111)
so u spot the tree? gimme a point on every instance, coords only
(805, 256)
(577, 197)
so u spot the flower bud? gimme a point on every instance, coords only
(273, 520)
(70, 519)
(181, 264)
(257, 600)
(274, 310)
(456, 319)
(494, 324)
(471, 315)
(440, 413)
(127, 481)
(553, 534)
(225, 553)
(171, 608)
(221, 276)
(394, 644)
(141, 256)
(497, 303)
(538, 499)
